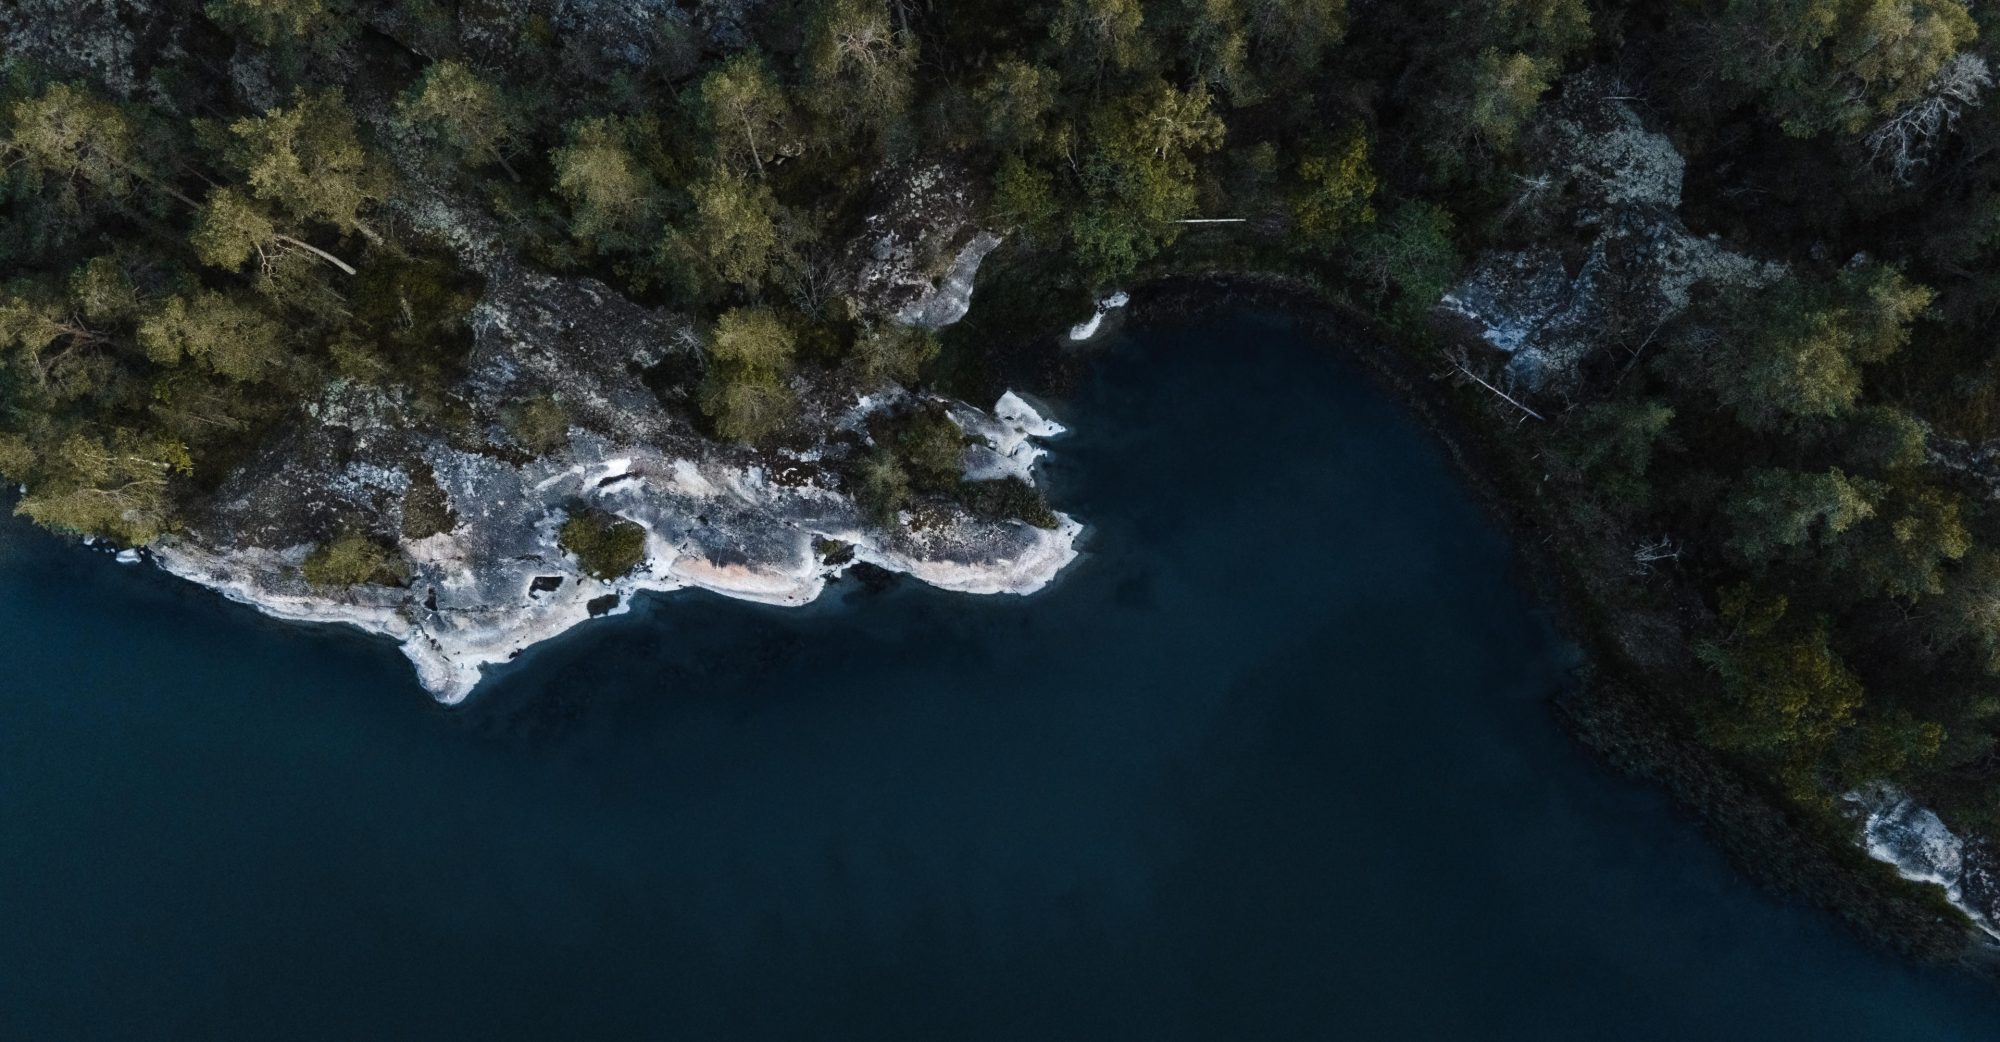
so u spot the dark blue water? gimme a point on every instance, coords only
(1273, 762)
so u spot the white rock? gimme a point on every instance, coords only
(1087, 328)
(1008, 439)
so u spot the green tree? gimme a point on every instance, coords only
(1834, 65)
(1024, 197)
(1333, 195)
(753, 340)
(893, 352)
(1773, 512)
(933, 447)
(1169, 125)
(747, 407)
(53, 352)
(1141, 177)
(202, 411)
(1611, 445)
(103, 289)
(1409, 253)
(467, 112)
(1916, 535)
(113, 485)
(736, 226)
(235, 339)
(230, 229)
(608, 189)
(271, 22)
(881, 485)
(1214, 44)
(70, 135)
(308, 160)
(1478, 82)
(1101, 35)
(750, 354)
(858, 67)
(1786, 695)
(1014, 101)
(1290, 39)
(1885, 438)
(1504, 90)
(1965, 612)
(1795, 351)
(745, 108)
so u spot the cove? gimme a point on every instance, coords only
(1273, 761)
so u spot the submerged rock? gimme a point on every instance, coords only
(474, 518)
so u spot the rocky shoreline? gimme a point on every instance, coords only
(1612, 708)
(1530, 321)
(468, 511)
(499, 583)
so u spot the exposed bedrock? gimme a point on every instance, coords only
(1607, 195)
(1900, 832)
(473, 517)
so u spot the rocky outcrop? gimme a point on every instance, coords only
(474, 516)
(1613, 188)
(918, 230)
(1106, 304)
(950, 298)
(1907, 836)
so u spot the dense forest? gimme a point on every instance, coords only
(194, 240)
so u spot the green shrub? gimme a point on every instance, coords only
(1009, 498)
(352, 559)
(934, 448)
(882, 486)
(605, 545)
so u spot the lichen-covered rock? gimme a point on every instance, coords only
(918, 231)
(726, 518)
(1617, 187)
(98, 40)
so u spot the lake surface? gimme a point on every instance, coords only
(1273, 761)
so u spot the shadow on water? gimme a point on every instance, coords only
(1273, 761)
